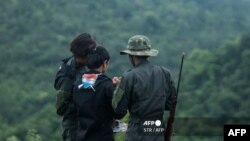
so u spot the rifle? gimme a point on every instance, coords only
(169, 129)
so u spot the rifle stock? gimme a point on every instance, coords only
(170, 123)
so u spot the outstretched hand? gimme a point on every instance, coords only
(116, 80)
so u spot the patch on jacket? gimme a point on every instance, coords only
(88, 81)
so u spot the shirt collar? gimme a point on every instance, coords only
(93, 72)
(142, 62)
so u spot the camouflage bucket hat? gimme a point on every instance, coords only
(139, 45)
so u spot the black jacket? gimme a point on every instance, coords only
(95, 111)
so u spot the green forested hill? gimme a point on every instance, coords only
(218, 86)
(35, 35)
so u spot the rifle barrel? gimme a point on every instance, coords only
(169, 129)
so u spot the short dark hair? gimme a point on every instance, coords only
(96, 57)
(81, 45)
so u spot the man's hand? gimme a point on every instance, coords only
(116, 80)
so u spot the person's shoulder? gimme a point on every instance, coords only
(128, 76)
(105, 79)
(164, 70)
(67, 61)
(128, 73)
(106, 82)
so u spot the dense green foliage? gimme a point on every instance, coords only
(35, 35)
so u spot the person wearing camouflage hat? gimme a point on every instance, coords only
(139, 45)
(146, 91)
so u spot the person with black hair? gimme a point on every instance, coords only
(93, 95)
(70, 69)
